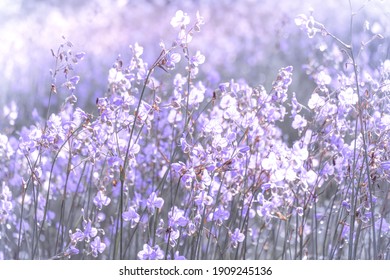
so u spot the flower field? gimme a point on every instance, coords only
(195, 130)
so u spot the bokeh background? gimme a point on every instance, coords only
(246, 39)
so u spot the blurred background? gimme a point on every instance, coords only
(246, 39)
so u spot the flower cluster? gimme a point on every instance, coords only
(168, 167)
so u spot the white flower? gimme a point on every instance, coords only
(180, 19)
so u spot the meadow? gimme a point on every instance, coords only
(196, 130)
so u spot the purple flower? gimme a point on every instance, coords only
(89, 231)
(179, 167)
(150, 253)
(176, 217)
(270, 163)
(71, 250)
(385, 165)
(101, 200)
(203, 199)
(219, 215)
(316, 101)
(77, 236)
(197, 94)
(281, 84)
(300, 211)
(74, 80)
(299, 122)
(348, 97)
(97, 246)
(323, 79)
(80, 55)
(137, 50)
(171, 60)
(307, 24)
(382, 225)
(131, 216)
(6, 206)
(199, 21)
(346, 205)
(236, 237)
(180, 19)
(197, 59)
(154, 202)
(177, 256)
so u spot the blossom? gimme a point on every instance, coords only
(154, 202)
(97, 246)
(101, 200)
(197, 59)
(316, 101)
(180, 19)
(348, 97)
(197, 94)
(299, 122)
(6, 205)
(219, 215)
(236, 237)
(131, 216)
(150, 253)
(137, 50)
(80, 55)
(171, 59)
(203, 199)
(89, 231)
(307, 24)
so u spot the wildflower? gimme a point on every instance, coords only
(307, 24)
(89, 231)
(197, 59)
(299, 122)
(177, 256)
(171, 59)
(101, 200)
(154, 202)
(203, 199)
(219, 215)
(150, 253)
(97, 246)
(348, 97)
(236, 237)
(6, 206)
(315, 101)
(131, 216)
(180, 19)
(80, 55)
(385, 165)
(197, 94)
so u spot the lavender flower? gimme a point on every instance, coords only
(154, 202)
(97, 247)
(150, 253)
(236, 237)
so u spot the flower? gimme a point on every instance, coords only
(219, 215)
(348, 97)
(197, 59)
(154, 202)
(131, 216)
(315, 101)
(180, 19)
(299, 122)
(89, 231)
(101, 200)
(307, 24)
(236, 237)
(150, 253)
(97, 246)
(171, 59)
